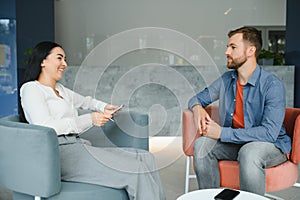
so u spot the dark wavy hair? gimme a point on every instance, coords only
(251, 35)
(33, 68)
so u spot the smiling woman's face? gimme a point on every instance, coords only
(54, 64)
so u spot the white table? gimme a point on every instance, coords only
(208, 194)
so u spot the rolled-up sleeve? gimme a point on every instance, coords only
(206, 96)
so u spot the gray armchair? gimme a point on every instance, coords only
(30, 163)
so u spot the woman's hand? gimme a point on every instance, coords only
(100, 119)
(109, 108)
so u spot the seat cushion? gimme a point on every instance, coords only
(79, 191)
(229, 174)
(277, 178)
(281, 176)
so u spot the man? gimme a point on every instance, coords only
(251, 112)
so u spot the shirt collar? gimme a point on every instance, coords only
(253, 77)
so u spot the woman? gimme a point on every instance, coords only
(48, 103)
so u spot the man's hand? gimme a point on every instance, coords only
(213, 130)
(201, 119)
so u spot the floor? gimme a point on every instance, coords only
(171, 162)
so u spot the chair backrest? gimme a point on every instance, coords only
(29, 158)
(291, 123)
(292, 126)
(213, 112)
(129, 130)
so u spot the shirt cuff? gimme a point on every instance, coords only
(226, 134)
(84, 122)
(101, 105)
(192, 102)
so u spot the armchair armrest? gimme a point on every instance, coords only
(130, 129)
(189, 133)
(295, 157)
(29, 157)
(292, 126)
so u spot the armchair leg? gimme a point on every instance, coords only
(37, 198)
(187, 174)
(296, 185)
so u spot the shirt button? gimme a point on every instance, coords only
(234, 100)
(231, 114)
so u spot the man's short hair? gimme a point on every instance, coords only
(251, 35)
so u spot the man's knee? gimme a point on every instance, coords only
(203, 146)
(249, 154)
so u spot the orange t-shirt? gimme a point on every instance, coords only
(238, 116)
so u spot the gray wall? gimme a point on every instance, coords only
(160, 92)
(80, 22)
(148, 70)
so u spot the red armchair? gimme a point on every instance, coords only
(278, 178)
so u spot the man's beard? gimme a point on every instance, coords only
(236, 63)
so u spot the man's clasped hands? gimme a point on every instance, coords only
(205, 126)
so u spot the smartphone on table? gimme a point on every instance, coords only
(227, 194)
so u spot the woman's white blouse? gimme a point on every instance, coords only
(43, 107)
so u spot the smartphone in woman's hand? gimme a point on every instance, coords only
(116, 110)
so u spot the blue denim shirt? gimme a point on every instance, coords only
(264, 108)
